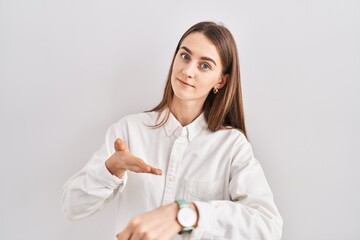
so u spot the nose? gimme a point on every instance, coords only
(189, 70)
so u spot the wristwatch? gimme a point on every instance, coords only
(186, 216)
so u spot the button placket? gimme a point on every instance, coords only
(171, 176)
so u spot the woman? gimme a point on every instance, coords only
(203, 181)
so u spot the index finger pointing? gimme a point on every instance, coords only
(155, 171)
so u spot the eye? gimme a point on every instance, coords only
(205, 66)
(185, 56)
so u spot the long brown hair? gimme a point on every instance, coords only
(225, 108)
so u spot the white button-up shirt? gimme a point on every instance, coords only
(215, 170)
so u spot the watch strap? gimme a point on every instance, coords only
(187, 229)
(182, 202)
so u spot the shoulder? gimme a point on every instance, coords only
(143, 119)
(229, 139)
(132, 123)
(233, 134)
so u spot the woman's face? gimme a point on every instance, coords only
(197, 69)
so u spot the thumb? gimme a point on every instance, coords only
(119, 145)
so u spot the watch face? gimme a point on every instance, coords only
(187, 217)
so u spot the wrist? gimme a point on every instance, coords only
(113, 168)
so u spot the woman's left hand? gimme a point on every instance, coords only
(160, 223)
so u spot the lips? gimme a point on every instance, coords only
(185, 83)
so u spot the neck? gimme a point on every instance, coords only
(185, 111)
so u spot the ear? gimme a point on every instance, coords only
(223, 81)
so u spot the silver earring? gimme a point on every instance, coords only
(215, 90)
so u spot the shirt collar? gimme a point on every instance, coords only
(173, 126)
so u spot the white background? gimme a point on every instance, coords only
(68, 69)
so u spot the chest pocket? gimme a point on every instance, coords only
(204, 190)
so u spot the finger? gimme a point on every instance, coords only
(146, 168)
(118, 236)
(137, 236)
(119, 145)
(138, 165)
(155, 171)
(124, 235)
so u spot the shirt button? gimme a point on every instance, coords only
(171, 178)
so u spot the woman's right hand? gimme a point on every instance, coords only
(123, 160)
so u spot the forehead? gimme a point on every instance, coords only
(201, 46)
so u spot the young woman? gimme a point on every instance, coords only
(185, 169)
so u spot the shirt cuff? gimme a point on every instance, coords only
(109, 180)
(205, 221)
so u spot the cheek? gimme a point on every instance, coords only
(177, 64)
(208, 81)
(174, 71)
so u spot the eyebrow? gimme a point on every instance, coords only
(204, 58)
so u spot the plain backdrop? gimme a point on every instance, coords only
(69, 69)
